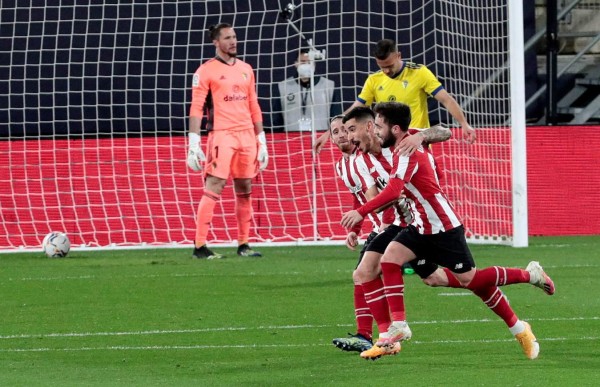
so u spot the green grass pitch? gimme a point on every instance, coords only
(160, 318)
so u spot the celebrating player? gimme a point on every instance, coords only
(359, 123)
(436, 235)
(224, 89)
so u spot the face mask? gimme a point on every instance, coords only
(305, 70)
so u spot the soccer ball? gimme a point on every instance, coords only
(56, 245)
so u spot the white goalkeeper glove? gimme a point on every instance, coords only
(195, 157)
(405, 212)
(263, 156)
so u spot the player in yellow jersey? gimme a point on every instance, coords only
(409, 83)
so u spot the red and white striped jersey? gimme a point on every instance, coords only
(380, 166)
(432, 211)
(356, 175)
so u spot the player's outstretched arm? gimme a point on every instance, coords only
(410, 144)
(455, 110)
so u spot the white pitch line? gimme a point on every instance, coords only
(267, 327)
(255, 346)
(249, 274)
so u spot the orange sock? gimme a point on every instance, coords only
(206, 209)
(243, 214)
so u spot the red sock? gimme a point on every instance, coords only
(206, 210)
(243, 214)
(452, 281)
(499, 276)
(375, 297)
(496, 301)
(364, 318)
(394, 289)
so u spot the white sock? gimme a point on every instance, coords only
(519, 327)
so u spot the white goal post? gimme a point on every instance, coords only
(94, 100)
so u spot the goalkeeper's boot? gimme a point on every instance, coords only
(356, 343)
(376, 351)
(245, 251)
(528, 342)
(539, 278)
(205, 253)
(398, 331)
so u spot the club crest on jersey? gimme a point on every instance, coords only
(290, 97)
(392, 98)
(245, 76)
(405, 84)
(196, 80)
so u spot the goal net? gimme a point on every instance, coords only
(95, 97)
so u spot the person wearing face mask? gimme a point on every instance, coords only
(296, 107)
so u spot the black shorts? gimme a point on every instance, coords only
(448, 248)
(371, 236)
(383, 239)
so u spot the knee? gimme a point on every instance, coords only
(432, 281)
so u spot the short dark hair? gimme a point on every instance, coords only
(215, 30)
(394, 113)
(359, 113)
(384, 48)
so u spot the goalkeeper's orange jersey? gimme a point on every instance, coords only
(411, 86)
(226, 95)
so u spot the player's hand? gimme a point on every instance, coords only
(351, 218)
(406, 214)
(320, 142)
(351, 240)
(469, 133)
(263, 155)
(410, 144)
(195, 159)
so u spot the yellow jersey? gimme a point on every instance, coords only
(411, 86)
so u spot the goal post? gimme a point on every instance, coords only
(95, 97)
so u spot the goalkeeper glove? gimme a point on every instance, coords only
(195, 157)
(263, 156)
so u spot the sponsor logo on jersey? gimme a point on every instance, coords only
(235, 97)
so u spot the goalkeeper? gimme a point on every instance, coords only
(224, 90)
(409, 83)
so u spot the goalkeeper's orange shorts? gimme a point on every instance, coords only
(231, 152)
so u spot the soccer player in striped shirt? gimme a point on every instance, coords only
(409, 83)
(437, 235)
(355, 174)
(224, 89)
(359, 123)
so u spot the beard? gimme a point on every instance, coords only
(388, 140)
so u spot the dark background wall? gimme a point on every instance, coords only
(80, 68)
